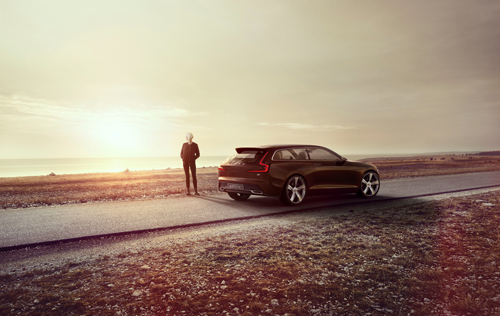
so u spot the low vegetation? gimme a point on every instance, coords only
(430, 258)
(392, 168)
(82, 188)
(24, 192)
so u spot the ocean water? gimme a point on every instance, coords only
(36, 167)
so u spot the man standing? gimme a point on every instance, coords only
(189, 153)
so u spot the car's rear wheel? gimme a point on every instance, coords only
(238, 196)
(370, 184)
(294, 190)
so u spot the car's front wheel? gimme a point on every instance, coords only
(294, 190)
(238, 196)
(370, 184)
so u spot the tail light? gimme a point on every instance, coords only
(266, 167)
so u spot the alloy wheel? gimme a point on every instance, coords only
(295, 190)
(370, 184)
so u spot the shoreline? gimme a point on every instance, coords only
(10, 168)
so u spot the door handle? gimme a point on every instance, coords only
(317, 164)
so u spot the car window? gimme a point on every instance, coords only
(322, 154)
(247, 156)
(291, 154)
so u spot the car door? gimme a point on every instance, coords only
(289, 161)
(329, 171)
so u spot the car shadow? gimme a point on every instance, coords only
(349, 205)
(259, 201)
(266, 204)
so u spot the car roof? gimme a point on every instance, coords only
(270, 147)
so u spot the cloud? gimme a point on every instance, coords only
(25, 115)
(22, 106)
(309, 127)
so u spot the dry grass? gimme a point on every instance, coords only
(82, 188)
(391, 168)
(431, 258)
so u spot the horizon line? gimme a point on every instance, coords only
(346, 155)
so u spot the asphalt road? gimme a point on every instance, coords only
(43, 225)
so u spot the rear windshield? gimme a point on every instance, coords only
(243, 158)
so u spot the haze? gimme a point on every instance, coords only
(131, 78)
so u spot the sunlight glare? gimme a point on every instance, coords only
(119, 136)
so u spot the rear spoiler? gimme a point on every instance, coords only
(239, 150)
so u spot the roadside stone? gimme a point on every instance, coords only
(137, 293)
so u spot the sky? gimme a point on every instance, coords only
(129, 78)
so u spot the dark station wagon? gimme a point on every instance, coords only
(292, 172)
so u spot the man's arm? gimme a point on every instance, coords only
(197, 152)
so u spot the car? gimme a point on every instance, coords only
(293, 172)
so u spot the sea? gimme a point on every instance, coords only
(58, 166)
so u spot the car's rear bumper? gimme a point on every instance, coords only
(246, 186)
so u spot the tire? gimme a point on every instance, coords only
(238, 196)
(370, 185)
(294, 191)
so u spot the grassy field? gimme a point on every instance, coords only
(427, 258)
(82, 188)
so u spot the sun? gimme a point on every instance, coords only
(117, 137)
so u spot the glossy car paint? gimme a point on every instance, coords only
(322, 176)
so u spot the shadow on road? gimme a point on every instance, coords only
(266, 204)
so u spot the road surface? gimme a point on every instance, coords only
(43, 225)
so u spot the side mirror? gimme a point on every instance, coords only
(342, 161)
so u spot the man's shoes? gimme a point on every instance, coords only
(196, 193)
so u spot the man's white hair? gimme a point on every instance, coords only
(189, 137)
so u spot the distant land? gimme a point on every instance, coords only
(489, 153)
